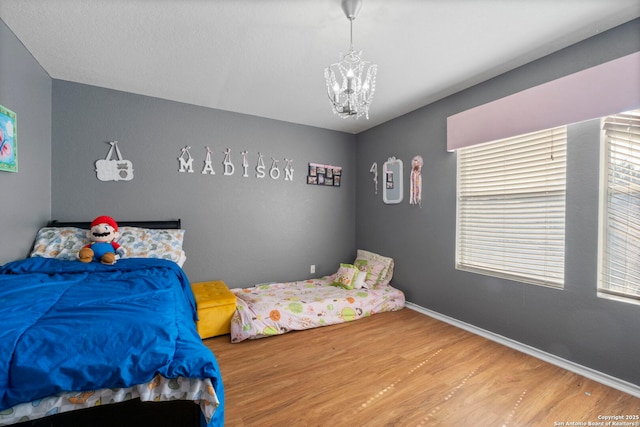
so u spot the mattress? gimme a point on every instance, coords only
(276, 308)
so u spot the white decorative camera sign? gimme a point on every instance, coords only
(109, 169)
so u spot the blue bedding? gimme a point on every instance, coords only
(71, 326)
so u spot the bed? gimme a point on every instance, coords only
(356, 290)
(101, 345)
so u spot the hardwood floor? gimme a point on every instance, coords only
(403, 369)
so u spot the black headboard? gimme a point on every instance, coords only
(172, 224)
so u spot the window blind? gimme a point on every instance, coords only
(511, 208)
(620, 232)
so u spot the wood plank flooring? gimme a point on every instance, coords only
(403, 369)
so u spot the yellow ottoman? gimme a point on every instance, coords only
(215, 304)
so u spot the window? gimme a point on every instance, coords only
(619, 267)
(511, 208)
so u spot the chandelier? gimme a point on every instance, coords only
(351, 95)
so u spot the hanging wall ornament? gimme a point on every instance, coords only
(374, 171)
(260, 166)
(186, 161)
(274, 172)
(288, 170)
(245, 164)
(110, 169)
(208, 166)
(416, 181)
(228, 166)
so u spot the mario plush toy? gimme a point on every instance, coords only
(103, 247)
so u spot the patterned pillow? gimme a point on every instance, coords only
(346, 276)
(379, 269)
(59, 242)
(152, 243)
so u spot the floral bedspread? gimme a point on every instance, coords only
(159, 389)
(276, 308)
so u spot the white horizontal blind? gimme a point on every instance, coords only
(620, 237)
(511, 208)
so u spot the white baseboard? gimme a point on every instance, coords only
(592, 374)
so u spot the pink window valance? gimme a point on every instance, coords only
(599, 91)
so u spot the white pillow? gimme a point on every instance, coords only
(359, 282)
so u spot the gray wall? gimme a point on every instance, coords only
(241, 230)
(246, 230)
(25, 89)
(571, 323)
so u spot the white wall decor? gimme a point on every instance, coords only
(288, 170)
(109, 169)
(228, 166)
(186, 165)
(274, 172)
(374, 171)
(392, 191)
(245, 164)
(186, 161)
(208, 166)
(260, 166)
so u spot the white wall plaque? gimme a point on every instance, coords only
(109, 169)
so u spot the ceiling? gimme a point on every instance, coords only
(266, 57)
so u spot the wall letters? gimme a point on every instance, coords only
(185, 163)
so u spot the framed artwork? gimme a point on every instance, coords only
(326, 175)
(8, 141)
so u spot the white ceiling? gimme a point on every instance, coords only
(266, 57)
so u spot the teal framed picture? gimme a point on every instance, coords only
(8, 141)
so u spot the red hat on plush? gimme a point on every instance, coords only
(105, 220)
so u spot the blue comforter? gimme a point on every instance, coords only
(71, 326)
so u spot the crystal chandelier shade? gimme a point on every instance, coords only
(351, 82)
